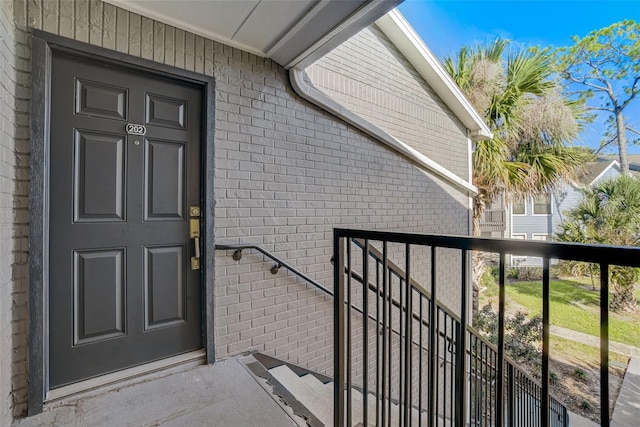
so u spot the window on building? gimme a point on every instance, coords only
(542, 205)
(543, 237)
(517, 260)
(518, 207)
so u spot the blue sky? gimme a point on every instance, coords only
(446, 25)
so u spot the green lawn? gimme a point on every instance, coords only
(580, 354)
(575, 306)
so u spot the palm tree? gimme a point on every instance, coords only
(609, 214)
(531, 120)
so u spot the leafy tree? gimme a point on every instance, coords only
(531, 120)
(609, 214)
(605, 64)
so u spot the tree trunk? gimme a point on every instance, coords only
(622, 142)
(477, 258)
(622, 298)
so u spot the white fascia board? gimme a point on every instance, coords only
(341, 33)
(574, 184)
(310, 93)
(404, 37)
(612, 164)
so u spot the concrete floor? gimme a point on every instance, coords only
(576, 420)
(224, 394)
(627, 409)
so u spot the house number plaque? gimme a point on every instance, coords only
(133, 129)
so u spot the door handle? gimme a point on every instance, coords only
(194, 233)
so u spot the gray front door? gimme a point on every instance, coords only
(122, 291)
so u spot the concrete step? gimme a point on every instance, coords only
(317, 397)
(320, 404)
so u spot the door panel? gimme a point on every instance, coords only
(168, 112)
(99, 295)
(99, 99)
(121, 291)
(164, 286)
(99, 177)
(164, 180)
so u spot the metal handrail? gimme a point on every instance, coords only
(279, 263)
(237, 255)
(597, 254)
(237, 248)
(392, 268)
(400, 274)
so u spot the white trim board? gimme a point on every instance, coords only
(405, 38)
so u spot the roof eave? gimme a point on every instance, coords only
(601, 174)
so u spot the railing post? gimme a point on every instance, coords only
(379, 391)
(604, 344)
(408, 337)
(461, 349)
(365, 331)
(512, 396)
(544, 399)
(338, 330)
(500, 367)
(386, 373)
(433, 336)
(349, 357)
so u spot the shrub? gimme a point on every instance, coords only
(521, 338)
(580, 374)
(524, 273)
(530, 273)
(495, 272)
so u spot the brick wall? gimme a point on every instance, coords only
(7, 173)
(368, 75)
(286, 174)
(13, 214)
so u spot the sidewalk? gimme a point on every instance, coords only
(576, 420)
(594, 341)
(627, 409)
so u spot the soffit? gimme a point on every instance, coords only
(288, 31)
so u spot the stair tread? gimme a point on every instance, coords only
(317, 397)
(318, 404)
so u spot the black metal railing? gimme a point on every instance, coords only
(522, 397)
(418, 377)
(482, 370)
(493, 220)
